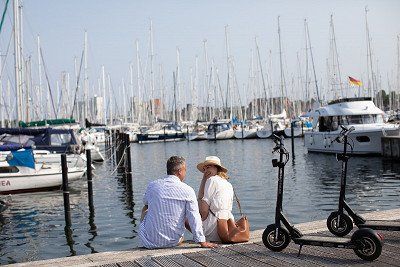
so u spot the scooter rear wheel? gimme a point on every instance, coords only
(269, 241)
(341, 228)
(368, 245)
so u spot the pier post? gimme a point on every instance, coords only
(241, 125)
(128, 171)
(302, 129)
(187, 132)
(292, 136)
(215, 132)
(67, 209)
(89, 179)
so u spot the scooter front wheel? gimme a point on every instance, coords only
(368, 244)
(275, 243)
(339, 227)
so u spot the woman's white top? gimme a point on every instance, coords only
(218, 194)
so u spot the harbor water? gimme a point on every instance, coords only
(33, 227)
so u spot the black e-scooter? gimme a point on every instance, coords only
(338, 222)
(365, 242)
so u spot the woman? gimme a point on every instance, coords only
(215, 198)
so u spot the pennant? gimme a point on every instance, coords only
(354, 81)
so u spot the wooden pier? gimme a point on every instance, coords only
(253, 253)
(391, 147)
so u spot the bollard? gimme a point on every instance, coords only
(67, 210)
(292, 133)
(89, 176)
(128, 156)
(302, 129)
(215, 132)
(187, 132)
(241, 125)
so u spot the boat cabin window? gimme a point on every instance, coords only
(60, 139)
(329, 123)
(364, 119)
(8, 169)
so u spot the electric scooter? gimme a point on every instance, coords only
(338, 222)
(366, 243)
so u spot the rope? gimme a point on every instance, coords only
(122, 158)
(4, 15)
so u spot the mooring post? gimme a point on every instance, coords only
(215, 132)
(292, 136)
(129, 163)
(187, 132)
(89, 176)
(67, 210)
(241, 125)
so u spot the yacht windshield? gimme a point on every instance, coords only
(364, 119)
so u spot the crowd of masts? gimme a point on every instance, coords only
(149, 97)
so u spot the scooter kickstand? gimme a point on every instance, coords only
(298, 254)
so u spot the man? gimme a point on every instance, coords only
(168, 203)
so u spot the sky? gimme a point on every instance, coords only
(113, 27)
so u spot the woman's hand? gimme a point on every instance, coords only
(207, 174)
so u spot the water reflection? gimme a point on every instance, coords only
(33, 227)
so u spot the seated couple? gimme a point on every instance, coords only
(170, 206)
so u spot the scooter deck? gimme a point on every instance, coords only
(381, 225)
(325, 241)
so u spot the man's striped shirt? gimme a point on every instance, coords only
(170, 202)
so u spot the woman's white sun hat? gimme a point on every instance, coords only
(211, 160)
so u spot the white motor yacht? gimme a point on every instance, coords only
(361, 113)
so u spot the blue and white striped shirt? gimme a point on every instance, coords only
(170, 202)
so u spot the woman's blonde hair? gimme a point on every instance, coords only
(221, 173)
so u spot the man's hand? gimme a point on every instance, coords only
(208, 245)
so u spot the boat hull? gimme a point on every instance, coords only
(22, 182)
(246, 134)
(364, 142)
(196, 136)
(228, 134)
(152, 138)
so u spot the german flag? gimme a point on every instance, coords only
(354, 81)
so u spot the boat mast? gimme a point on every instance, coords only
(18, 58)
(228, 87)
(110, 100)
(103, 81)
(205, 74)
(398, 72)
(139, 116)
(174, 115)
(262, 78)
(153, 116)
(178, 86)
(86, 80)
(336, 79)
(195, 101)
(313, 65)
(370, 70)
(280, 64)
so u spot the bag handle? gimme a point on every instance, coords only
(238, 203)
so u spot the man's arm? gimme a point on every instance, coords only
(194, 220)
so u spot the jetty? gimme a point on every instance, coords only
(253, 253)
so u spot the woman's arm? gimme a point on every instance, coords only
(203, 206)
